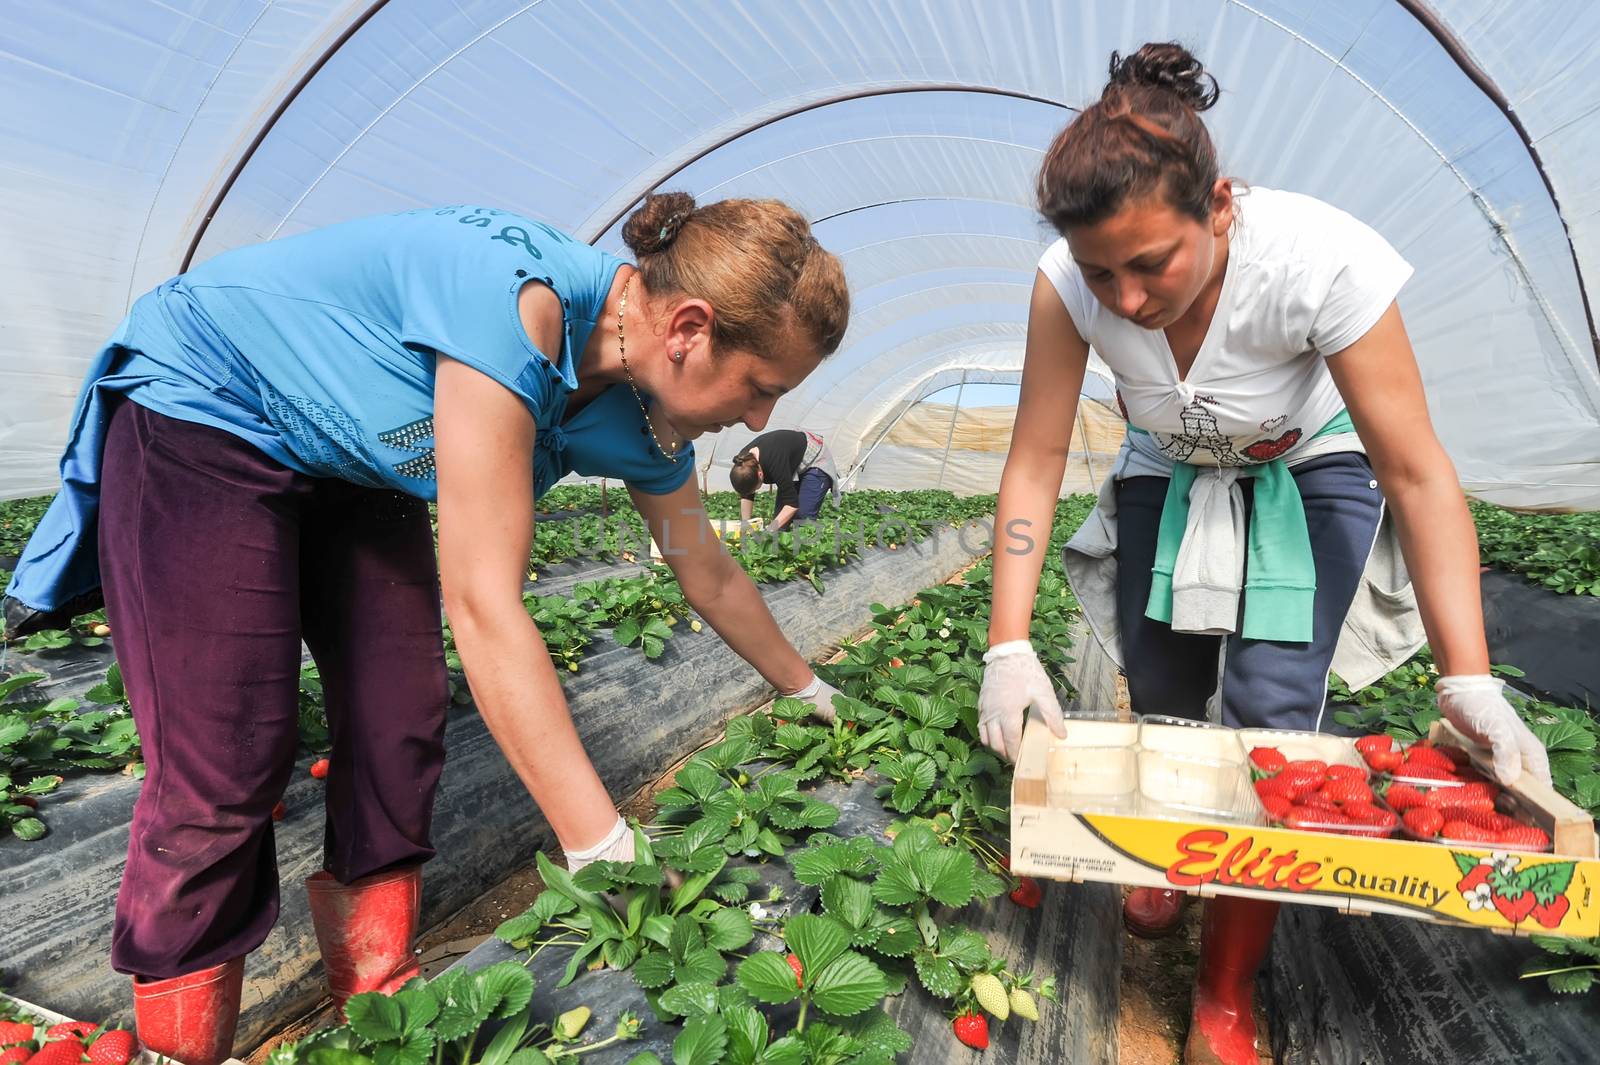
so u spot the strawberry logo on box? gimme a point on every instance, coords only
(1495, 880)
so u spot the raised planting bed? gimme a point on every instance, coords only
(1553, 639)
(694, 971)
(636, 716)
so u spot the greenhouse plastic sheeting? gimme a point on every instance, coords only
(142, 135)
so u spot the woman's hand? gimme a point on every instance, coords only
(818, 694)
(1014, 680)
(1477, 706)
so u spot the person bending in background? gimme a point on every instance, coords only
(798, 463)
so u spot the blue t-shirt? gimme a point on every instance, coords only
(320, 351)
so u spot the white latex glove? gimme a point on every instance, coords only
(1013, 680)
(1477, 706)
(820, 695)
(616, 847)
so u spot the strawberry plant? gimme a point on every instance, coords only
(1559, 551)
(18, 518)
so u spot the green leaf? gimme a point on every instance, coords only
(849, 900)
(627, 631)
(1546, 881)
(644, 1057)
(506, 987)
(785, 1051)
(877, 1032)
(535, 1056)
(768, 978)
(691, 998)
(29, 829)
(729, 929)
(821, 860)
(747, 1034)
(848, 985)
(1464, 862)
(374, 1017)
(505, 1041)
(658, 929)
(966, 948)
(816, 940)
(703, 1041)
(946, 874)
(896, 885)
(1572, 982)
(654, 970)
(703, 963)
(336, 1056)
(939, 975)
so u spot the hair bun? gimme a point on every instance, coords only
(1168, 66)
(657, 222)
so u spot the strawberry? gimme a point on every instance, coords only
(1522, 837)
(16, 1055)
(1310, 765)
(896, 663)
(1023, 1005)
(1423, 821)
(280, 811)
(1402, 797)
(972, 1030)
(799, 970)
(26, 800)
(1369, 745)
(1480, 789)
(60, 1052)
(1269, 760)
(1027, 893)
(1424, 771)
(991, 994)
(319, 769)
(1419, 754)
(1279, 786)
(1478, 874)
(1514, 910)
(1385, 761)
(15, 1032)
(1459, 831)
(1483, 820)
(72, 1029)
(1343, 791)
(1277, 806)
(1342, 773)
(1308, 818)
(1551, 913)
(1302, 780)
(115, 1047)
(1319, 800)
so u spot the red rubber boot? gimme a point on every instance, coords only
(1234, 936)
(366, 930)
(1151, 913)
(190, 1018)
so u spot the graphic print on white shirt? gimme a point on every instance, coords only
(1303, 282)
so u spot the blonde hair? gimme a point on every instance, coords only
(754, 261)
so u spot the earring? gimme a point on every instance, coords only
(677, 356)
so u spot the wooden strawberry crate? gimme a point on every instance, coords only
(1110, 838)
(49, 1017)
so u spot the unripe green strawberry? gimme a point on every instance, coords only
(1022, 1004)
(991, 994)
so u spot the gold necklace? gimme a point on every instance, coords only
(622, 350)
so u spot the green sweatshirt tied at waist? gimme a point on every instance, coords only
(1280, 574)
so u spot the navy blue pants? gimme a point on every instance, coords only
(814, 488)
(1265, 683)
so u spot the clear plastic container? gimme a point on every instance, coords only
(1191, 788)
(1093, 779)
(1340, 824)
(1099, 729)
(1198, 739)
(1299, 746)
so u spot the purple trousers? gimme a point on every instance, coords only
(216, 562)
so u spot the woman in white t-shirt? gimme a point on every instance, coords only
(1270, 390)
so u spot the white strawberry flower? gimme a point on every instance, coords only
(758, 912)
(1479, 898)
(1506, 864)
(944, 634)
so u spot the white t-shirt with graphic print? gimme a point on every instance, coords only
(1304, 281)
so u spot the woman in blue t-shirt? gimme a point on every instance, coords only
(249, 465)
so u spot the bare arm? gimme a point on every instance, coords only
(484, 446)
(1382, 388)
(718, 587)
(782, 518)
(1052, 376)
